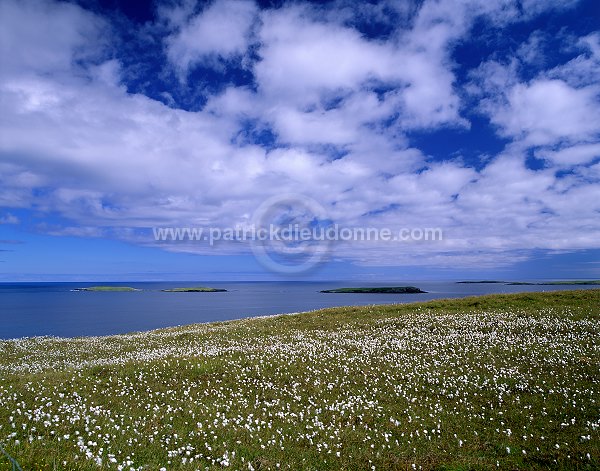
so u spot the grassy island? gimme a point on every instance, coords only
(492, 382)
(385, 289)
(559, 283)
(107, 288)
(194, 289)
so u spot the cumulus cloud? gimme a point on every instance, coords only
(301, 56)
(571, 156)
(556, 113)
(305, 61)
(328, 112)
(47, 37)
(221, 30)
(549, 111)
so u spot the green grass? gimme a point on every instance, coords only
(547, 283)
(107, 288)
(195, 289)
(507, 380)
(378, 290)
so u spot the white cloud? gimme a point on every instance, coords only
(76, 143)
(46, 37)
(302, 57)
(584, 69)
(549, 111)
(532, 8)
(532, 51)
(221, 30)
(570, 156)
(558, 107)
(557, 113)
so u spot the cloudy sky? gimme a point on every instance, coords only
(479, 117)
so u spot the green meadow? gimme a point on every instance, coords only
(493, 382)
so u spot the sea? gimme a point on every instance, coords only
(57, 309)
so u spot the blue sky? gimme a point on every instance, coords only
(478, 117)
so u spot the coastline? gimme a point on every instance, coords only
(344, 377)
(475, 299)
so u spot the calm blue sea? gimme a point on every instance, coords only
(31, 309)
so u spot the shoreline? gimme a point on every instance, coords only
(309, 311)
(372, 374)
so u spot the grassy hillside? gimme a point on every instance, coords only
(504, 380)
